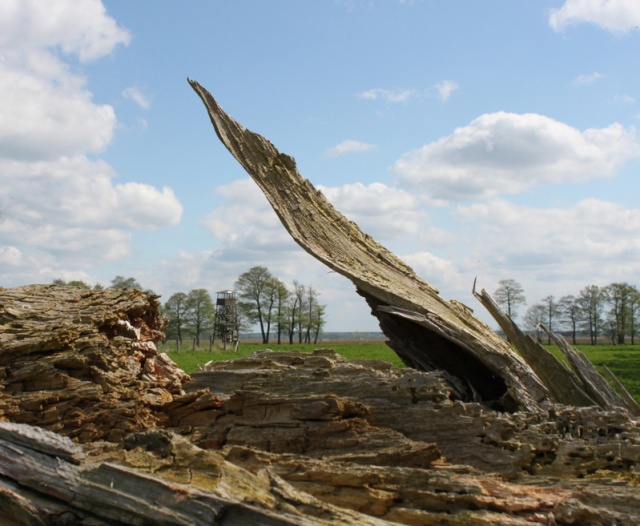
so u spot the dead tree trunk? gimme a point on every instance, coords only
(425, 330)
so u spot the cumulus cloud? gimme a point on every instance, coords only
(613, 15)
(54, 197)
(350, 146)
(76, 27)
(382, 211)
(61, 211)
(439, 272)
(593, 241)
(136, 95)
(446, 88)
(40, 119)
(386, 95)
(45, 109)
(500, 153)
(246, 222)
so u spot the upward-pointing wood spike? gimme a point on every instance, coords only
(438, 334)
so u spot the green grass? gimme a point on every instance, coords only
(190, 361)
(623, 360)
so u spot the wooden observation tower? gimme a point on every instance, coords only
(226, 326)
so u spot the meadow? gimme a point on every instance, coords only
(623, 360)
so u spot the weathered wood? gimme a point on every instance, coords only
(284, 437)
(592, 381)
(564, 385)
(449, 337)
(104, 493)
(83, 363)
(630, 402)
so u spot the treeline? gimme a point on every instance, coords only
(611, 312)
(119, 282)
(284, 312)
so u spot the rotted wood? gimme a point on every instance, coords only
(593, 382)
(582, 385)
(427, 331)
(117, 434)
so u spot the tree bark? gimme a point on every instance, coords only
(448, 336)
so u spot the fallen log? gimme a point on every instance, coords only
(313, 439)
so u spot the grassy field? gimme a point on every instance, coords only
(624, 360)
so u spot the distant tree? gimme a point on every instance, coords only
(536, 315)
(120, 282)
(257, 290)
(176, 310)
(72, 283)
(318, 321)
(618, 296)
(295, 311)
(300, 291)
(77, 283)
(509, 295)
(634, 308)
(552, 311)
(570, 313)
(282, 297)
(200, 313)
(314, 318)
(591, 301)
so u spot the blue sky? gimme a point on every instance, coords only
(491, 139)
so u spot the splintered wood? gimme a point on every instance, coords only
(97, 427)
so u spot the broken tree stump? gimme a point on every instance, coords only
(425, 330)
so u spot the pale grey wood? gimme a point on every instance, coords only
(454, 340)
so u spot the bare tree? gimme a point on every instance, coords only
(618, 296)
(509, 296)
(535, 315)
(295, 310)
(282, 296)
(591, 301)
(570, 313)
(552, 310)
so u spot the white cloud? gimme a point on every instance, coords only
(393, 96)
(42, 119)
(505, 153)
(136, 95)
(435, 270)
(45, 109)
(76, 27)
(59, 210)
(10, 256)
(582, 80)
(593, 241)
(246, 222)
(382, 211)
(614, 15)
(446, 88)
(350, 146)
(72, 192)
